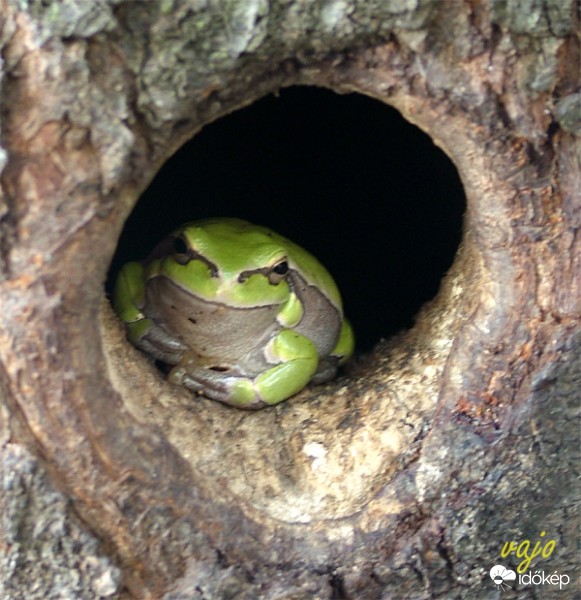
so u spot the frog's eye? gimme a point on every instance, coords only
(278, 272)
(181, 251)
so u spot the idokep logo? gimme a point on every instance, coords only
(504, 577)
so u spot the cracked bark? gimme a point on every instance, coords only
(454, 437)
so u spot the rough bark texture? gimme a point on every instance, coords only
(403, 480)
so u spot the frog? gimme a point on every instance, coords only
(236, 312)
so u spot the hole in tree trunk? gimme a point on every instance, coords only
(344, 176)
(371, 196)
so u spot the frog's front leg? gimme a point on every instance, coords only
(297, 360)
(143, 332)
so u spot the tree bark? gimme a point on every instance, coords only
(403, 480)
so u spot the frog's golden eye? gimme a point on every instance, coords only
(180, 246)
(281, 268)
(183, 254)
(278, 272)
(181, 250)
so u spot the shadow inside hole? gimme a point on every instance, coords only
(346, 177)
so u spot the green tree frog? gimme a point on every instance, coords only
(242, 314)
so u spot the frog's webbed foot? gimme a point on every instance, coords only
(160, 345)
(218, 385)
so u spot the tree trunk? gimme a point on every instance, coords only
(403, 480)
